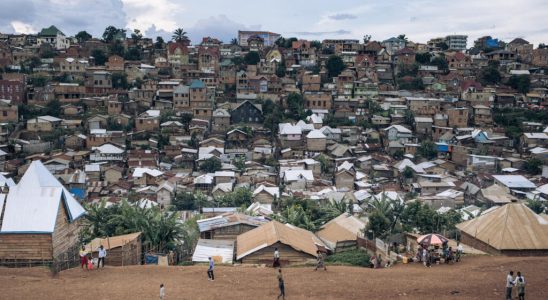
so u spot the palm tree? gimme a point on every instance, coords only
(179, 35)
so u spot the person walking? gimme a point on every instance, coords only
(320, 261)
(162, 292)
(281, 284)
(509, 285)
(83, 258)
(276, 263)
(379, 262)
(460, 251)
(520, 284)
(102, 255)
(210, 275)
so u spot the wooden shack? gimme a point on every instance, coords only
(39, 218)
(228, 226)
(295, 245)
(122, 250)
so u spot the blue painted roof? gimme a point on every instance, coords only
(197, 84)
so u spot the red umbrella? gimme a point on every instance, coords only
(432, 239)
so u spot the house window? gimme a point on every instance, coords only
(5, 113)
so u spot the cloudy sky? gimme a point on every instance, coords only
(420, 20)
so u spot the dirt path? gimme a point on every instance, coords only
(474, 278)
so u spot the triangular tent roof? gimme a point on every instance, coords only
(510, 227)
(345, 227)
(32, 205)
(272, 232)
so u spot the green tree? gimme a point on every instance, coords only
(379, 224)
(117, 48)
(522, 83)
(160, 43)
(334, 65)
(83, 36)
(443, 46)
(441, 63)
(316, 44)
(537, 206)
(427, 149)
(295, 106)
(53, 108)
(325, 164)
(239, 163)
(133, 53)
(280, 69)
(184, 201)
(409, 118)
(533, 166)
(119, 81)
(99, 56)
(490, 75)
(111, 33)
(211, 165)
(160, 228)
(407, 172)
(234, 41)
(136, 35)
(186, 119)
(194, 142)
(252, 58)
(179, 35)
(237, 198)
(423, 58)
(38, 80)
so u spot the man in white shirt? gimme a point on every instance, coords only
(276, 263)
(460, 251)
(509, 285)
(102, 255)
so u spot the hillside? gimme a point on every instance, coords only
(475, 278)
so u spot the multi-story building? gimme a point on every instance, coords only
(268, 37)
(12, 90)
(456, 42)
(458, 117)
(200, 102)
(53, 36)
(540, 57)
(318, 100)
(208, 59)
(311, 82)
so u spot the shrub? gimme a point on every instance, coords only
(354, 257)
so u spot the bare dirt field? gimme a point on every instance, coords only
(481, 277)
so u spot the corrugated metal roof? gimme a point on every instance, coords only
(215, 249)
(229, 219)
(32, 205)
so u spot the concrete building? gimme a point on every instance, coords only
(456, 42)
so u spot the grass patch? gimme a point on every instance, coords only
(354, 258)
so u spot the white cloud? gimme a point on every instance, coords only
(20, 27)
(162, 14)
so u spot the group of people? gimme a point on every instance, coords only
(518, 282)
(86, 259)
(431, 255)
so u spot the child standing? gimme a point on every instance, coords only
(162, 292)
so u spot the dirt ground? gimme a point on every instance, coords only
(481, 277)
